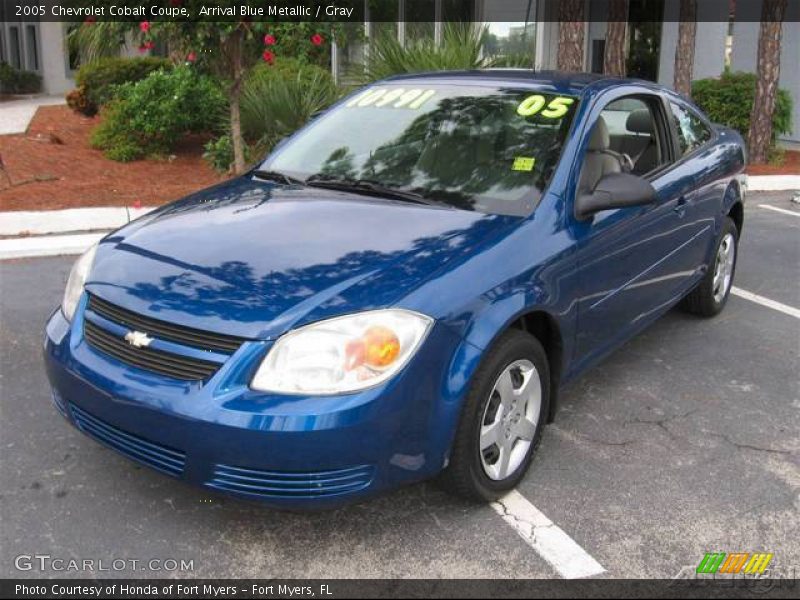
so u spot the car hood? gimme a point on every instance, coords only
(252, 259)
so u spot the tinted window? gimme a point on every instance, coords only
(478, 148)
(692, 131)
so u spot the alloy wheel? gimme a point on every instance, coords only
(509, 420)
(723, 267)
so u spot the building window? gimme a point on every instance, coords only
(14, 48)
(420, 16)
(32, 48)
(598, 55)
(511, 40)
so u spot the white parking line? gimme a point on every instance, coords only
(785, 211)
(48, 245)
(548, 540)
(773, 304)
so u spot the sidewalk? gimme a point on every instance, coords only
(16, 115)
(59, 232)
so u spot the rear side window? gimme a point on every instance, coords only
(692, 131)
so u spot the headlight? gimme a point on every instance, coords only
(76, 281)
(344, 354)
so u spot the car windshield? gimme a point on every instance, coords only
(488, 149)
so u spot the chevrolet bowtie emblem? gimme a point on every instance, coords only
(138, 339)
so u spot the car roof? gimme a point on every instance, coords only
(565, 82)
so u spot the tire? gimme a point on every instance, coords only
(711, 294)
(475, 470)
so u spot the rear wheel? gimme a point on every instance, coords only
(502, 419)
(711, 294)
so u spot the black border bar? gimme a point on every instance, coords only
(402, 588)
(356, 10)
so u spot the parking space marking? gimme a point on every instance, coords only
(785, 211)
(548, 540)
(773, 304)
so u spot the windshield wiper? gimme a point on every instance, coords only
(372, 188)
(277, 176)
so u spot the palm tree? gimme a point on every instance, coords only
(570, 35)
(616, 38)
(684, 50)
(768, 68)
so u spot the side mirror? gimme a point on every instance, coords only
(615, 190)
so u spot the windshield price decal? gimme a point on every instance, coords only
(556, 109)
(394, 97)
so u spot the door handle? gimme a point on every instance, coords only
(680, 207)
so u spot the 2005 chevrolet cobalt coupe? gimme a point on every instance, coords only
(399, 289)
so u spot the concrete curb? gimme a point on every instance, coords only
(50, 245)
(44, 222)
(773, 183)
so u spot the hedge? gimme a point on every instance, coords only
(729, 99)
(97, 80)
(15, 81)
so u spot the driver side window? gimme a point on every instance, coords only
(625, 138)
(633, 133)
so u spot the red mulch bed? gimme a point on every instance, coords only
(790, 166)
(52, 166)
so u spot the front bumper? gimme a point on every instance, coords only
(288, 451)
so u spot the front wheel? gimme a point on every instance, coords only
(502, 419)
(711, 294)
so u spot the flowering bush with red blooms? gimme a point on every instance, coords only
(228, 50)
(299, 41)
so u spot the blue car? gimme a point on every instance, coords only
(398, 291)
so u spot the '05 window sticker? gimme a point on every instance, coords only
(393, 97)
(535, 104)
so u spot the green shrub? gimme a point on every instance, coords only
(279, 99)
(461, 48)
(99, 78)
(219, 153)
(729, 101)
(149, 116)
(15, 81)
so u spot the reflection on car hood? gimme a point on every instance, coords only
(253, 259)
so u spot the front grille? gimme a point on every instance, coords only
(165, 459)
(281, 484)
(166, 363)
(204, 340)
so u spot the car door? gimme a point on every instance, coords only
(632, 261)
(698, 162)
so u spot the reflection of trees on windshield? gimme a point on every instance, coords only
(462, 149)
(340, 163)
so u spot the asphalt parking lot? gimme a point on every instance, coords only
(685, 441)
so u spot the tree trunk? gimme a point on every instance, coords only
(235, 96)
(570, 35)
(616, 38)
(769, 70)
(684, 50)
